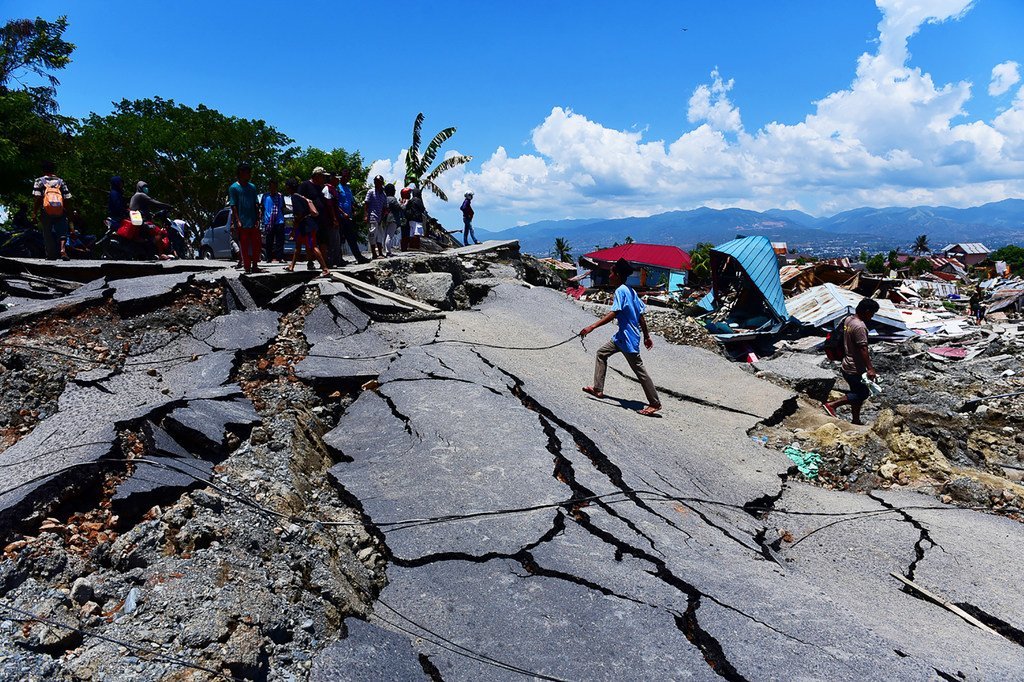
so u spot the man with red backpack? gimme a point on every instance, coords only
(856, 359)
(52, 202)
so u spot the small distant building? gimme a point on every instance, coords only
(780, 248)
(968, 253)
(655, 265)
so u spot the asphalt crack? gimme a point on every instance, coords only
(920, 550)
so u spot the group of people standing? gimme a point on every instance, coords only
(323, 209)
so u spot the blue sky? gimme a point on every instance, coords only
(597, 109)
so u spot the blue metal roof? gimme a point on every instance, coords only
(757, 258)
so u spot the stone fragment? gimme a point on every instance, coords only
(368, 654)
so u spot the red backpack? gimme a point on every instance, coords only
(835, 342)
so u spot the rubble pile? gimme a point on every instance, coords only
(933, 428)
(202, 527)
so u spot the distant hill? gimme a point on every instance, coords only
(996, 224)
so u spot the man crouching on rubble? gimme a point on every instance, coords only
(628, 309)
(856, 360)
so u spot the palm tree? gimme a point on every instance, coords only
(562, 250)
(921, 245)
(417, 166)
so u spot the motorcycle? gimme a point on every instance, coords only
(138, 239)
(26, 243)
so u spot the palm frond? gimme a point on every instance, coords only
(438, 192)
(435, 146)
(445, 166)
(417, 129)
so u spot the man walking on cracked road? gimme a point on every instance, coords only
(856, 360)
(628, 310)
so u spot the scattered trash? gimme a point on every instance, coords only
(806, 462)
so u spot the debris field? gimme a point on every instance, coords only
(393, 474)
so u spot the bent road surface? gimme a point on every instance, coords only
(536, 531)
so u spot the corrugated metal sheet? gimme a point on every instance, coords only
(939, 289)
(969, 248)
(757, 258)
(823, 305)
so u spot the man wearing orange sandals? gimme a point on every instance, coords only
(628, 310)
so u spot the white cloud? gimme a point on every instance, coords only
(894, 136)
(1004, 77)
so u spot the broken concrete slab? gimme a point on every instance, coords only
(435, 288)
(288, 298)
(429, 443)
(236, 295)
(158, 479)
(368, 654)
(345, 360)
(205, 422)
(85, 270)
(91, 293)
(239, 330)
(138, 294)
(323, 324)
(801, 373)
(497, 248)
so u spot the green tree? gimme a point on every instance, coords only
(31, 130)
(1012, 255)
(921, 246)
(562, 250)
(629, 240)
(894, 259)
(920, 267)
(417, 165)
(876, 264)
(299, 164)
(863, 257)
(187, 155)
(700, 263)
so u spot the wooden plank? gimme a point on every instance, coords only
(404, 300)
(943, 603)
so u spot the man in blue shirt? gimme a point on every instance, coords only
(628, 310)
(273, 222)
(346, 213)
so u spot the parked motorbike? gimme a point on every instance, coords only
(137, 239)
(22, 243)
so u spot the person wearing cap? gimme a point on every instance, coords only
(628, 310)
(313, 189)
(467, 220)
(333, 243)
(376, 207)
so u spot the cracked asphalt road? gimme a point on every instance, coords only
(630, 585)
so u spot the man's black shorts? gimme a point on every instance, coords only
(858, 389)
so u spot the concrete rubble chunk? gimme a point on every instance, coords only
(205, 422)
(137, 294)
(435, 288)
(239, 330)
(91, 293)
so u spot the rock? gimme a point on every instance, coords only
(131, 602)
(434, 288)
(81, 590)
(243, 653)
(240, 330)
(967, 490)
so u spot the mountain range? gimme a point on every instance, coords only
(874, 229)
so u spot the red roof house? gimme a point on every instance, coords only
(655, 255)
